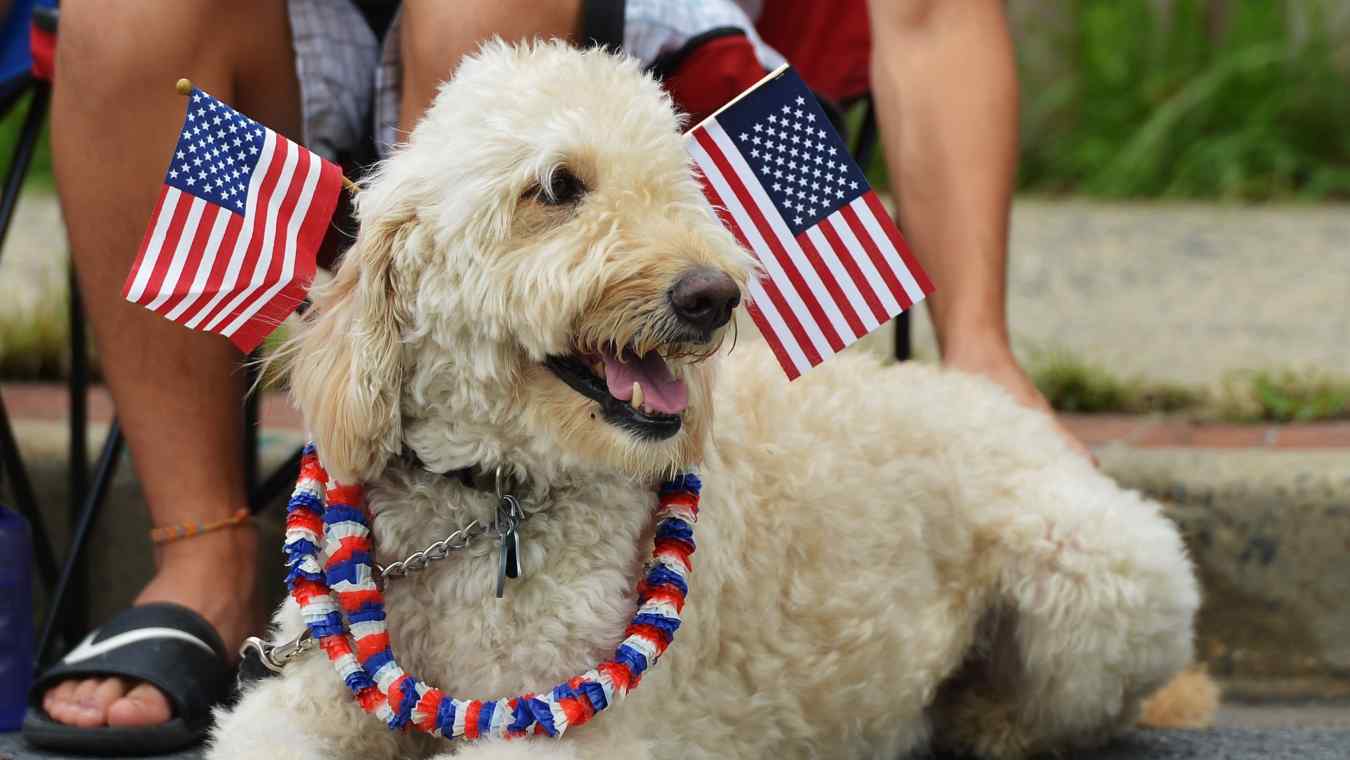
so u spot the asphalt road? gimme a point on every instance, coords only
(1219, 744)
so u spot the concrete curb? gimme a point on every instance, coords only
(1270, 534)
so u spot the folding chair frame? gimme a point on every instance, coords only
(64, 583)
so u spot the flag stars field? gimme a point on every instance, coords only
(834, 267)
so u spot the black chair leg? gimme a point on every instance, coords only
(66, 617)
(24, 151)
(904, 348)
(74, 594)
(21, 488)
(252, 410)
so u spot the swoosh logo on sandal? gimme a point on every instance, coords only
(87, 649)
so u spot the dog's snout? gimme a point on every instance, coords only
(704, 297)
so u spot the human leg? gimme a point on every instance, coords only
(114, 114)
(434, 36)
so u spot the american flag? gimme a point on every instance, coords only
(834, 266)
(232, 243)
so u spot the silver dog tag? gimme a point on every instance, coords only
(509, 515)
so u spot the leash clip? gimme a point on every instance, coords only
(507, 525)
(274, 657)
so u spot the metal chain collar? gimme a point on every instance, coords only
(506, 527)
(458, 540)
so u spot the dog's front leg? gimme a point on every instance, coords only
(306, 713)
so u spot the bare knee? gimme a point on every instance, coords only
(109, 49)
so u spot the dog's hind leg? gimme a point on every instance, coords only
(1093, 607)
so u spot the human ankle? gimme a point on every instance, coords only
(233, 549)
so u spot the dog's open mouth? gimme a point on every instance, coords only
(637, 393)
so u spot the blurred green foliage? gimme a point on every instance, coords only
(1072, 384)
(1285, 396)
(1152, 100)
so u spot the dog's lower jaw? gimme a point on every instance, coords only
(642, 425)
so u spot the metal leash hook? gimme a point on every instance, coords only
(273, 657)
(509, 515)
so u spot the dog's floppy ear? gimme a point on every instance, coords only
(346, 367)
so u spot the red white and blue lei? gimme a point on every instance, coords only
(343, 607)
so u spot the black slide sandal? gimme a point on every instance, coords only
(166, 645)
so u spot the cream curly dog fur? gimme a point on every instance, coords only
(890, 558)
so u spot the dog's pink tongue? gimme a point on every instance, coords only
(661, 390)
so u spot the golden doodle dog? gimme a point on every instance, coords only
(889, 558)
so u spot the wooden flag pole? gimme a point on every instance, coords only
(184, 88)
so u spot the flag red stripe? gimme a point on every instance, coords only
(765, 329)
(256, 251)
(846, 259)
(266, 319)
(222, 261)
(275, 267)
(194, 257)
(874, 253)
(219, 266)
(884, 219)
(318, 218)
(258, 206)
(770, 334)
(145, 243)
(309, 236)
(733, 181)
(175, 231)
(832, 285)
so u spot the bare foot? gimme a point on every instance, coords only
(212, 574)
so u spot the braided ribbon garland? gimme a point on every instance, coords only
(342, 592)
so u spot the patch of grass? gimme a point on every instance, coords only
(1284, 396)
(1073, 385)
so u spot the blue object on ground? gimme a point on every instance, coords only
(16, 617)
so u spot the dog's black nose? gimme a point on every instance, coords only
(704, 297)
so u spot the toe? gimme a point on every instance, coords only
(82, 709)
(57, 696)
(144, 705)
(107, 692)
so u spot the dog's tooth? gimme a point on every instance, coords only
(637, 396)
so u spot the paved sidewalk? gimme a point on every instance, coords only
(1184, 293)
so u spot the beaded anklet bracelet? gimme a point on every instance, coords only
(192, 528)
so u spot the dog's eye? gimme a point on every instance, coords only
(564, 188)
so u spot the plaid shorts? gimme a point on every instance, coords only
(350, 80)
